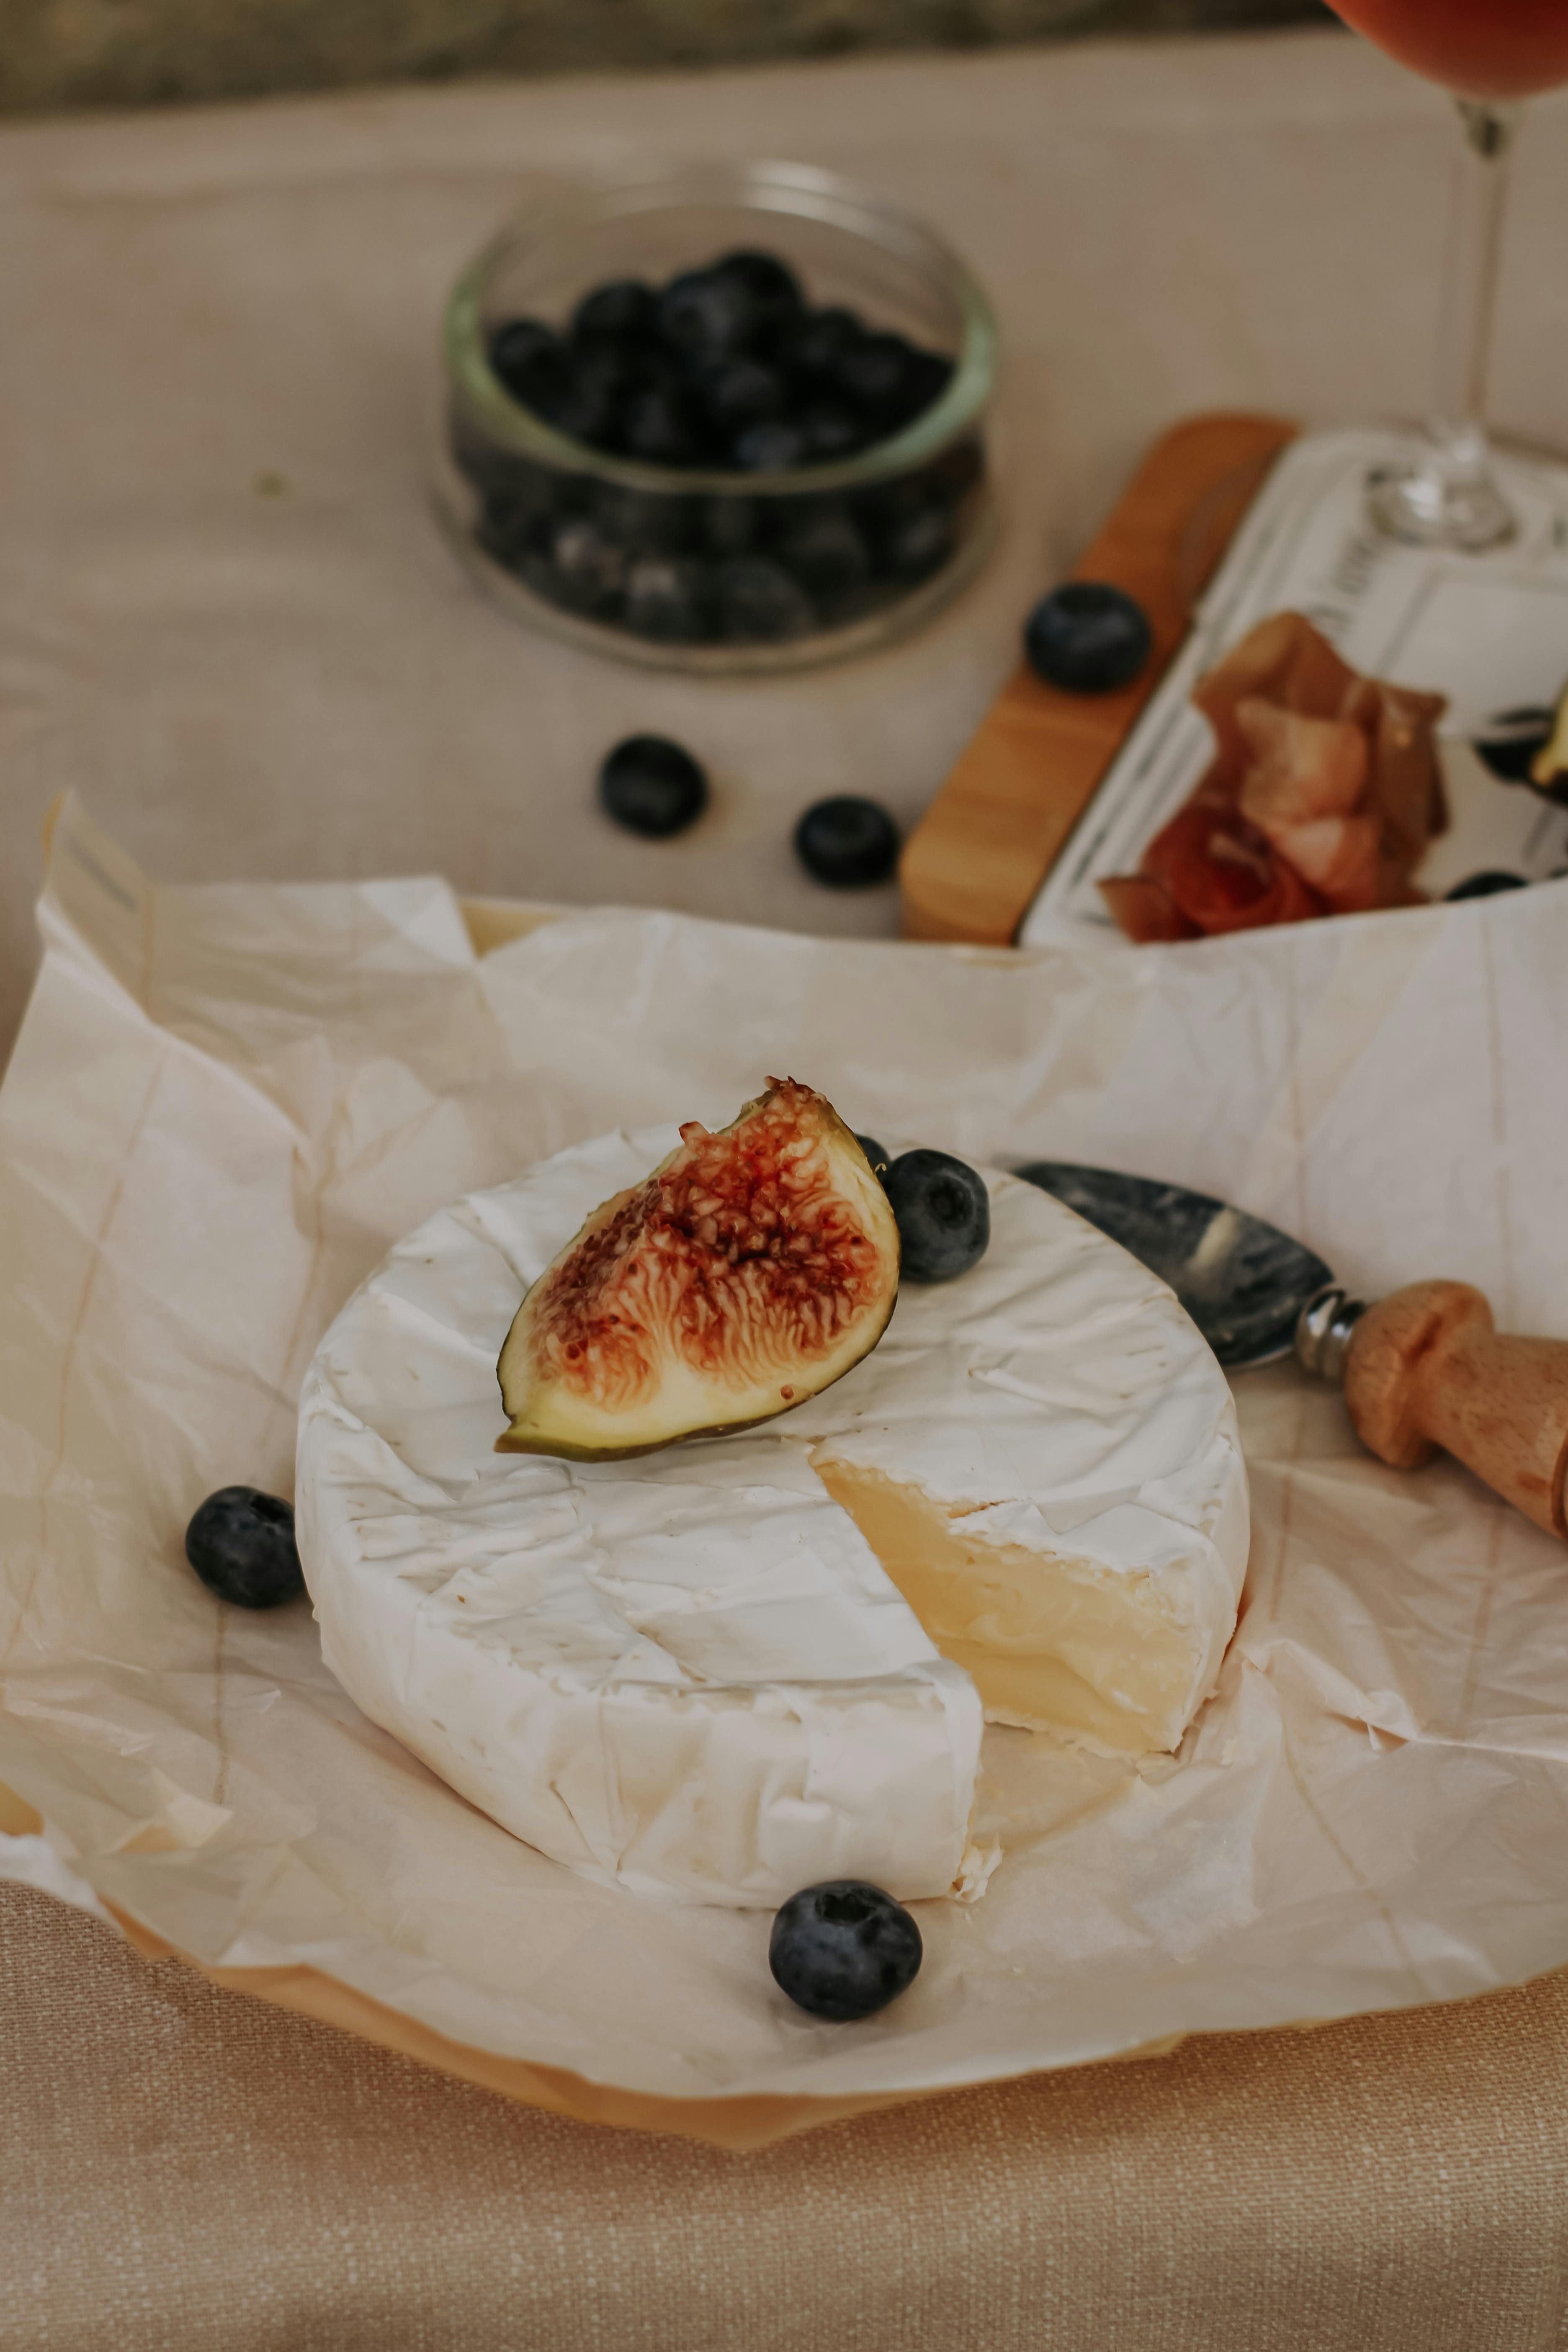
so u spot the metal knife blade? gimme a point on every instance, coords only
(1243, 1282)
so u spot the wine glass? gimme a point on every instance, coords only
(1491, 55)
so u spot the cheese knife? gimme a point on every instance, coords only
(1421, 1369)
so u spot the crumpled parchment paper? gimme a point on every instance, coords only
(227, 1103)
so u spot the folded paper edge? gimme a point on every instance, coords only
(494, 923)
(490, 924)
(752, 2121)
(738, 2125)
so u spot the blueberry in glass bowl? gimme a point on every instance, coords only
(729, 418)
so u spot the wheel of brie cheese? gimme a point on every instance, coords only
(731, 1668)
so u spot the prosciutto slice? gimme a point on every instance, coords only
(1320, 798)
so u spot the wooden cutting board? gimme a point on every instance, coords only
(971, 866)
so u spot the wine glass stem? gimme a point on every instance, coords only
(1446, 497)
(1464, 345)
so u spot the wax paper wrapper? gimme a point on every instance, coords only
(227, 1103)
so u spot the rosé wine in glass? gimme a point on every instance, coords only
(1477, 48)
(1492, 53)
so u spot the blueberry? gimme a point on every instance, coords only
(869, 366)
(738, 392)
(590, 408)
(573, 494)
(652, 786)
(509, 531)
(844, 1949)
(578, 392)
(536, 373)
(728, 525)
(911, 523)
(1088, 638)
(657, 425)
(874, 1153)
(648, 522)
(523, 543)
(704, 314)
(846, 842)
(758, 600)
(533, 564)
(811, 347)
(887, 378)
(926, 378)
(828, 432)
(943, 1213)
(769, 448)
(516, 345)
(241, 1544)
(1486, 884)
(667, 599)
(590, 568)
(771, 284)
(918, 542)
(826, 551)
(623, 312)
(770, 294)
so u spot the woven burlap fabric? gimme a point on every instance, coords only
(185, 2168)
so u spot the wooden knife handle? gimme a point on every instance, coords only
(1425, 1368)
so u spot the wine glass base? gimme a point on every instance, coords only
(1422, 505)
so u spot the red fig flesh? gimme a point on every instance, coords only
(752, 1269)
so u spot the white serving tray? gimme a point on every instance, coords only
(1489, 631)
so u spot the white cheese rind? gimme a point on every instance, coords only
(1058, 1401)
(688, 1674)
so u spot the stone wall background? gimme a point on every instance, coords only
(62, 53)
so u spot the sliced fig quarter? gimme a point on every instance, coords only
(750, 1271)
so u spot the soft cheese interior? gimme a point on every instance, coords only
(728, 1669)
(1050, 1641)
(1050, 1475)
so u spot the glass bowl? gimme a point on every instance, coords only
(704, 570)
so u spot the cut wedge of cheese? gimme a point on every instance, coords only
(725, 1670)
